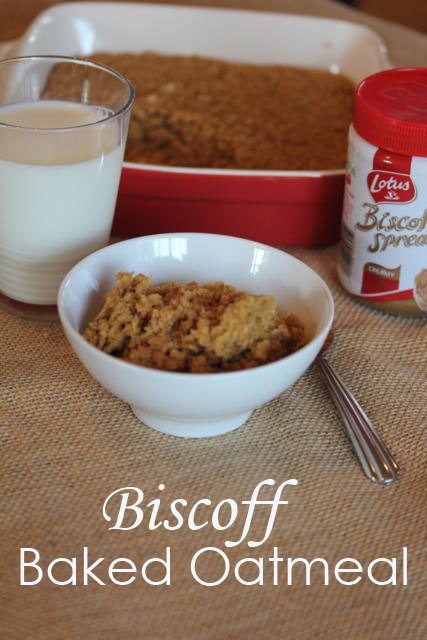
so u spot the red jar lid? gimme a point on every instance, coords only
(390, 110)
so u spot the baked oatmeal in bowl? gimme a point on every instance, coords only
(193, 328)
(194, 331)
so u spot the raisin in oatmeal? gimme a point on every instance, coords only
(193, 328)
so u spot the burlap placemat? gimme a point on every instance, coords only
(67, 443)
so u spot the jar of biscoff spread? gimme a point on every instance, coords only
(383, 256)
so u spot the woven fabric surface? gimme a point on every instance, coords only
(67, 443)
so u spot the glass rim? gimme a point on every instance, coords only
(80, 61)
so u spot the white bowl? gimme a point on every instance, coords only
(186, 404)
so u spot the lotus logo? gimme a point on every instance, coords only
(391, 187)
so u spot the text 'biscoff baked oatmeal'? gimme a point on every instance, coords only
(192, 111)
(194, 328)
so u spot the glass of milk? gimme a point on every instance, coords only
(63, 128)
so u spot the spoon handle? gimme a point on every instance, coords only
(373, 454)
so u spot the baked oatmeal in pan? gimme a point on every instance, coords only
(192, 111)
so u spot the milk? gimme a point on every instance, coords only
(57, 193)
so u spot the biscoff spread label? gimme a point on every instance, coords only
(384, 228)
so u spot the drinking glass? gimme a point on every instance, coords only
(63, 128)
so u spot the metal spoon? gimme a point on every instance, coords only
(375, 457)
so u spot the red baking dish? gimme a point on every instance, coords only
(275, 209)
(279, 208)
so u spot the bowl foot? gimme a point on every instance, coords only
(190, 427)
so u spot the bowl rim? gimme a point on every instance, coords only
(128, 366)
